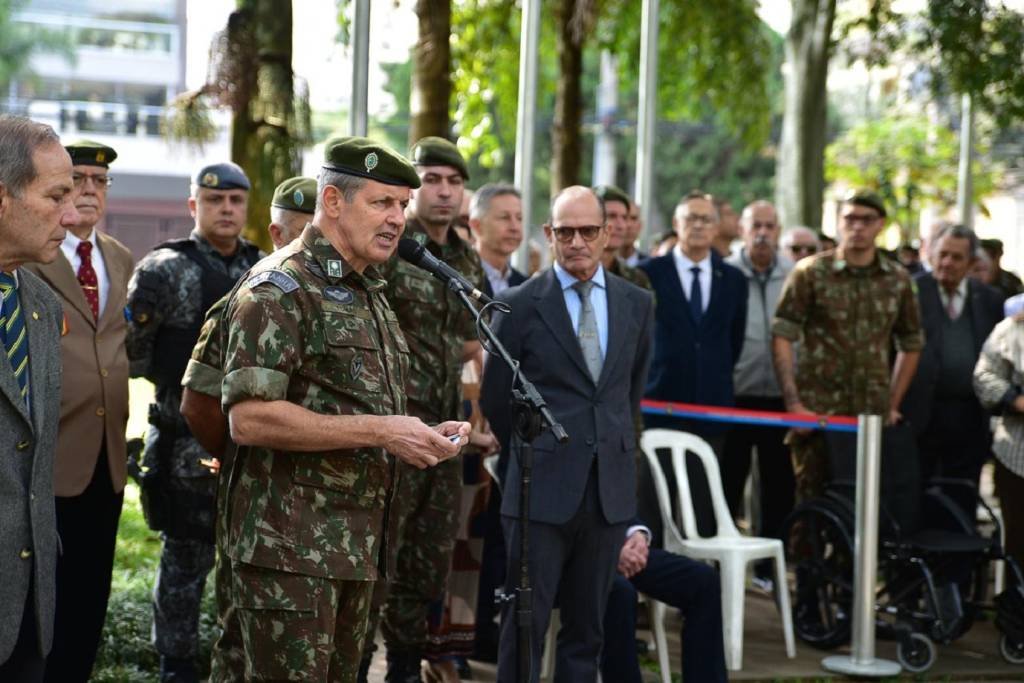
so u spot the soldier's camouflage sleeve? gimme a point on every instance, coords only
(203, 373)
(261, 352)
(148, 301)
(794, 304)
(906, 329)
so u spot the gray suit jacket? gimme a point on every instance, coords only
(598, 417)
(28, 527)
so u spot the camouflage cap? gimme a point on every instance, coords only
(435, 151)
(866, 198)
(222, 176)
(90, 153)
(296, 194)
(368, 159)
(610, 193)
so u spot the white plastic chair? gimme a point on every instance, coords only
(728, 548)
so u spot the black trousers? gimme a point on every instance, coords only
(775, 469)
(25, 663)
(956, 445)
(88, 531)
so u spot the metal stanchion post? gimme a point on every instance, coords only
(861, 661)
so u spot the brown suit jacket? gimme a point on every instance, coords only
(94, 394)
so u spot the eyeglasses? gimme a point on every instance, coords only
(101, 181)
(698, 219)
(861, 218)
(804, 249)
(565, 234)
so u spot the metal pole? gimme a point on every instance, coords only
(526, 124)
(861, 661)
(357, 117)
(965, 178)
(648, 113)
(607, 110)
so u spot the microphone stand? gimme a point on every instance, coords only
(531, 417)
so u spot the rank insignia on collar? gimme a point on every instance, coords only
(339, 294)
(420, 237)
(334, 268)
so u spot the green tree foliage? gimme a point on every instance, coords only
(20, 42)
(909, 161)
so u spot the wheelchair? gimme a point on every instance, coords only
(933, 563)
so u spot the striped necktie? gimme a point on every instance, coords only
(13, 333)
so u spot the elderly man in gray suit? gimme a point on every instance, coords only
(582, 336)
(35, 210)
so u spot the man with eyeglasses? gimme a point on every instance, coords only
(799, 242)
(700, 322)
(91, 280)
(847, 307)
(582, 337)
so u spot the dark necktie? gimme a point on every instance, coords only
(87, 278)
(590, 342)
(12, 332)
(696, 295)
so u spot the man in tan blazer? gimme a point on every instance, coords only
(91, 280)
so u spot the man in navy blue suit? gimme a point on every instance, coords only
(700, 322)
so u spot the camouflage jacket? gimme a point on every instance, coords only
(847, 320)
(435, 323)
(203, 373)
(174, 284)
(630, 274)
(306, 328)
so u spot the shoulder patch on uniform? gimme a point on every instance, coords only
(282, 280)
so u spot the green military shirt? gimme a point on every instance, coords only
(630, 274)
(306, 328)
(847, 319)
(435, 323)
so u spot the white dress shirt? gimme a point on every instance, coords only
(958, 301)
(683, 266)
(70, 249)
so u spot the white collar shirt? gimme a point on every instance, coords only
(683, 268)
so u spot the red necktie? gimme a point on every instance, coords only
(87, 278)
(951, 307)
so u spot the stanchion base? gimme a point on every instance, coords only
(875, 668)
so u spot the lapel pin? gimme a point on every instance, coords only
(35, 315)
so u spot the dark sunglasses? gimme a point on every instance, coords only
(565, 234)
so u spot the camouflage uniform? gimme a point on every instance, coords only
(436, 325)
(631, 274)
(846, 319)
(166, 291)
(306, 532)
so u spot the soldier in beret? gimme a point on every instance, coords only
(315, 368)
(91, 280)
(441, 335)
(168, 297)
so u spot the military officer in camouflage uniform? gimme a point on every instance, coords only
(168, 296)
(315, 365)
(847, 307)
(292, 206)
(616, 212)
(441, 334)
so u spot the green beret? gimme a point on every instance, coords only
(435, 151)
(865, 198)
(223, 176)
(89, 153)
(296, 194)
(610, 193)
(368, 159)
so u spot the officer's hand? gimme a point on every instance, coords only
(413, 442)
(452, 429)
(800, 408)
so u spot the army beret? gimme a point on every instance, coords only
(992, 244)
(865, 198)
(610, 193)
(89, 153)
(296, 194)
(368, 159)
(223, 176)
(435, 151)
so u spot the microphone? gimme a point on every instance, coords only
(416, 254)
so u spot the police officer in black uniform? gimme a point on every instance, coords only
(172, 288)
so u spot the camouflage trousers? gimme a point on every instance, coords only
(294, 627)
(427, 502)
(228, 664)
(810, 463)
(184, 564)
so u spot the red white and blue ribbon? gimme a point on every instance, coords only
(763, 418)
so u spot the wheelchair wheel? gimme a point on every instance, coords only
(821, 553)
(1012, 651)
(917, 653)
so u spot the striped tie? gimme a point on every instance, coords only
(12, 332)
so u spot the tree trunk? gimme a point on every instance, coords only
(800, 176)
(431, 70)
(262, 129)
(566, 132)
